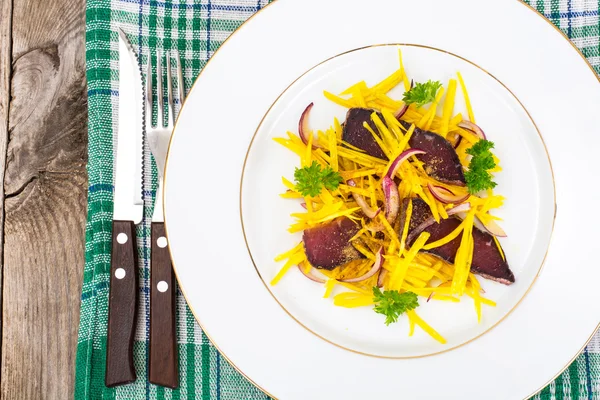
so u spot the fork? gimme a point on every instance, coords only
(163, 347)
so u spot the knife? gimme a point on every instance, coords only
(162, 369)
(128, 211)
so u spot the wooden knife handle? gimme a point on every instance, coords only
(122, 305)
(163, 345)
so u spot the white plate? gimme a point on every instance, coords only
(248, 324)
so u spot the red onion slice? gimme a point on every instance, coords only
(381, 277)
(392, 199)
(430, 221)
(372, 271)
(446, 196)
(490, 227)
(468, 125)
(303, 128)
(362, 203)
(309, 275)
(303, 205)
(398, 114)
(400, 159)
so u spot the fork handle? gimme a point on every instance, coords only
(163, 346)
(122, 305)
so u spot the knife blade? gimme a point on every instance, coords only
(128, 211)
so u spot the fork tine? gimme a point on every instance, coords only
(159, 89)
(171, 108)
(180, 83)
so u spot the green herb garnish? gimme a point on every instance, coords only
(478, 178)
(392, 303)
(310, 180)
(422, 93)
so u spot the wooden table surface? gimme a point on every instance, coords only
(43, 154)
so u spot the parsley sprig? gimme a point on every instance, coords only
(392, 303)
(422, 93)
(310, 180)
(478, 177)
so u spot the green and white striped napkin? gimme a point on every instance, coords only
(196, 29)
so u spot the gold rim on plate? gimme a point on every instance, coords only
(237, 30)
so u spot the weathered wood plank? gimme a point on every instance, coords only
(5, 72)
(45, 187)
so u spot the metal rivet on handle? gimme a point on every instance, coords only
(161, 242)
(122, 238)
(120, 273)
(162, 286)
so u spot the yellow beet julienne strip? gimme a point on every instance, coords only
(388, 83)
(358, 156)
(442, 210)
(291, 146)
(464, 255)
(289, 253)
(466, 96)
(288, 184)
(404, 76)
(358, 98)
(385, 148)
(411, 325)
(384, 132)
(499, 248)
(359, 85)
(454, 121)
(298, 227)
(399, 272)
(309, 205)
(351, 147)
(372, 194)
(321, 154)
(291, 195)
(338, 100)
(355, 288)
(388, 102)
(320, 214)
(333, 151)
(388, 227)
(423, 325)
(294, 260)
(446, 239)
(432, 205)
(337, 128)
(404, 142)
(351, 189)
(358, 234)
(347, 213)
(329, 285)
(358, 173)
(416, 282)
(445, 298)
(351, 300)
(433, 108)
(448, 107)
(393, 125)
(364, 251)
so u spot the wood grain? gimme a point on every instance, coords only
(5, 73)
(45, 186)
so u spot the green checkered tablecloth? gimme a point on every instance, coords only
(196, 29)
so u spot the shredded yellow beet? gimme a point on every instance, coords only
(406, 266)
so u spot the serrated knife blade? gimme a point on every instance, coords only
(128, 211)
(128, 203)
